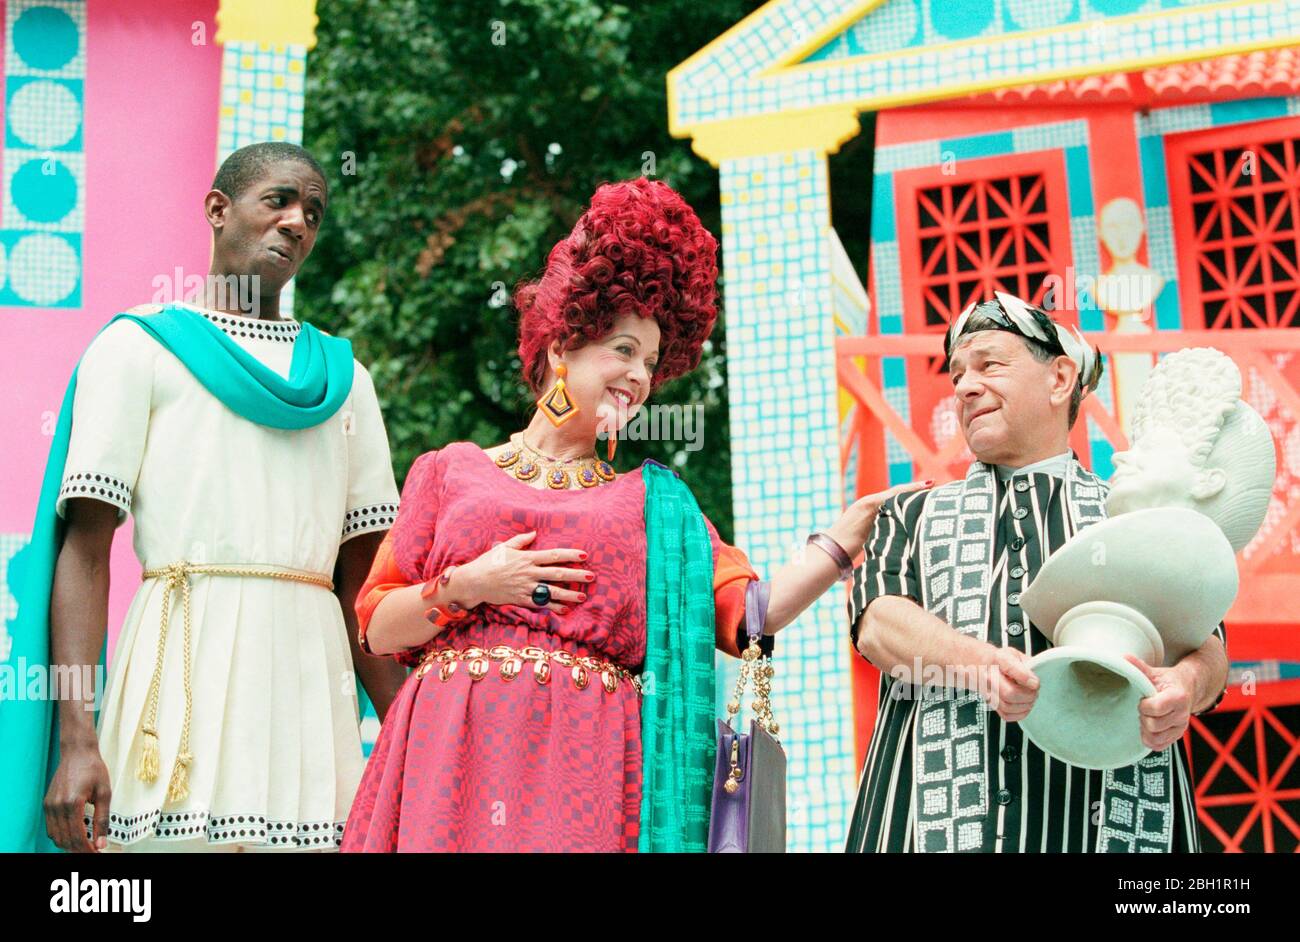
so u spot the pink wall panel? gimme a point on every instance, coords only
(151, 109)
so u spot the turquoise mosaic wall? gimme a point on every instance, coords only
(897, 25)
(44, 200)
(926, 48)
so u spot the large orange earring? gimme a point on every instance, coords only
(555, 402)
(611, 444)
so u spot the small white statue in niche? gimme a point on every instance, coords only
(1127, 291)
(1155, 578)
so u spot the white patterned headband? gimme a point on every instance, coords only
(1012, 314)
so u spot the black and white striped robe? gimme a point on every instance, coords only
(1039, 803)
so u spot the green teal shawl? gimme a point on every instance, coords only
(678, 741)
(320, 379)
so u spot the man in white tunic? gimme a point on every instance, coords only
(230, 717)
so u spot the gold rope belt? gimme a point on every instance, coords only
(512, 661)
(178, 575)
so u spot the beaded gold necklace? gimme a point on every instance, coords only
(526, 463)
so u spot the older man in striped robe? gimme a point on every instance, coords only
(935, 606)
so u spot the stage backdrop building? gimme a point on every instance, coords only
(1133, 164)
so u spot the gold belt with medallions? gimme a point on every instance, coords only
(511, 663)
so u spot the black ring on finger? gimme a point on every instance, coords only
(541, 594)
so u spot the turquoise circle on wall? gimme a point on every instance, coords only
(44, 194)
(960, 19)
(1040, 14)
(44, 268)
(1117, 7)
(46, 38)
(44, 113)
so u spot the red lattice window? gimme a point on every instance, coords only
(1247, 775)
(998, 224)
(975, 237)
(1235, 199)
(965, 230)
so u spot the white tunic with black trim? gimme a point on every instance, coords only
(274, 733)
(966, 780)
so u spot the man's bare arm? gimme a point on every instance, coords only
(900, 638)
(381, 677)
(894, 631)
(78, 624)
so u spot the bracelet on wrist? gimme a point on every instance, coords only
(827, 544)
(442, 614)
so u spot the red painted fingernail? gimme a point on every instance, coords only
(582, 596)
(929, 482)
(591, 577)
(582, 556)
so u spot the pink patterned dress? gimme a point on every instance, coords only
(514, 765)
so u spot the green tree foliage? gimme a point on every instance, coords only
(462, 138)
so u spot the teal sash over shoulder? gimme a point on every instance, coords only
(677, 712)
(320, 379)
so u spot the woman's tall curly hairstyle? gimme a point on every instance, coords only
(640, 249)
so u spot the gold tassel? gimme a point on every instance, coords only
(148, 768)
(178, 789)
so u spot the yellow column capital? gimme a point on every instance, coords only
(821, 129)
(282, 23)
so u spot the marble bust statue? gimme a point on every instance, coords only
(1157, 576)
(1197, 444)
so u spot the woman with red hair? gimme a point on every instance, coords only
(562, 617)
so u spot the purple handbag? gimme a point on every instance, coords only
(748, 813)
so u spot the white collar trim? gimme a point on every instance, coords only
(1055, 466)
(286, 330)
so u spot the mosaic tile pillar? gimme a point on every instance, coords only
(44, 154)
(261, 94)
(776, 247)
(262, 99)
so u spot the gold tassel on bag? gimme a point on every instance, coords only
(752, 660)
